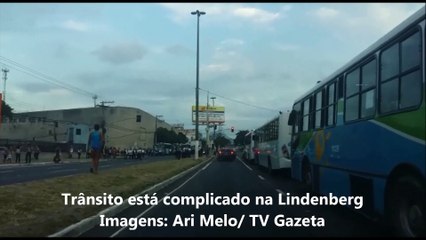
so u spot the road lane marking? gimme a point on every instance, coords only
(261, 177)
(279, 190)
(204, 168)
(160, 201)
(7, 171)
(246, 165)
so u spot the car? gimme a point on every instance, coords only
(226, 154)
(185, 150)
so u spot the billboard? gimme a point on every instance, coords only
(214, 115)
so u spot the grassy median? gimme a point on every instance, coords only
(36, 209)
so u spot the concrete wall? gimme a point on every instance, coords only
(123, 130)
(26, 129)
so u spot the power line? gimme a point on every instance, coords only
(45, 80)
(45, 77)
(241, 102)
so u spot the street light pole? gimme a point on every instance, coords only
(208, 126)
(198, 13)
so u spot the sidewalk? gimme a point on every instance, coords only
(46, 158)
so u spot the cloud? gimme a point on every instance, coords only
(326, 13)
(36, 87)
(224, 12)
(287, 47)
(387, 16)
(75, 25)
(286, 8)
(227, 58)
(232, 42)
(121, 53)
(255, 14)
(228, 48)
(215, 68)
(377, 18)
(179, 50)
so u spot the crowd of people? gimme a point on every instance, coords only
(16, 152)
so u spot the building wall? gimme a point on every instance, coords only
(123, 129)
(28, 129)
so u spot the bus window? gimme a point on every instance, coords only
(401, 87)
(292, 118)
(331, 104)
(306, 115)
(352, 97)
(318, 108)
(368, 89)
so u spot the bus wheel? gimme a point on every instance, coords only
(307, 174)
(407, 207)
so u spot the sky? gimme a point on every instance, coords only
(255, 58)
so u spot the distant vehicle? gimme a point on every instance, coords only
(361, 131)
(226, 153)
(186, 150)
(269, 144)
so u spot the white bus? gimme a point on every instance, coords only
(270, 144)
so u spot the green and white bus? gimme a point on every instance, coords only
(361, 131)
(270, 144)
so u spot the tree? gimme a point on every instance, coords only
(181, 138)
(164, 135)
(241, 138)
(221, 141)
(6, 111)
(169, 136)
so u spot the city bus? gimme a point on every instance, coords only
(361, 131)
(270, 144)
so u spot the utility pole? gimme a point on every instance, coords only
(103, 123)
(103, 103)
(5, 71)
(94, 100)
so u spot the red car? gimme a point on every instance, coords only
(226, 154)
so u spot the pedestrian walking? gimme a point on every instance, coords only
(57, 157)
(18, 154)
(95, 146)
(28, 154)
(36, 152)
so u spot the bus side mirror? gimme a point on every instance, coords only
(292, 118)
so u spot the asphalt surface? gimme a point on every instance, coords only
(19, 173)
(229, 179)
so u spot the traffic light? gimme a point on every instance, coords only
(232, 129)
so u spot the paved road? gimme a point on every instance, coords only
(18, 173)
(229, 179)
